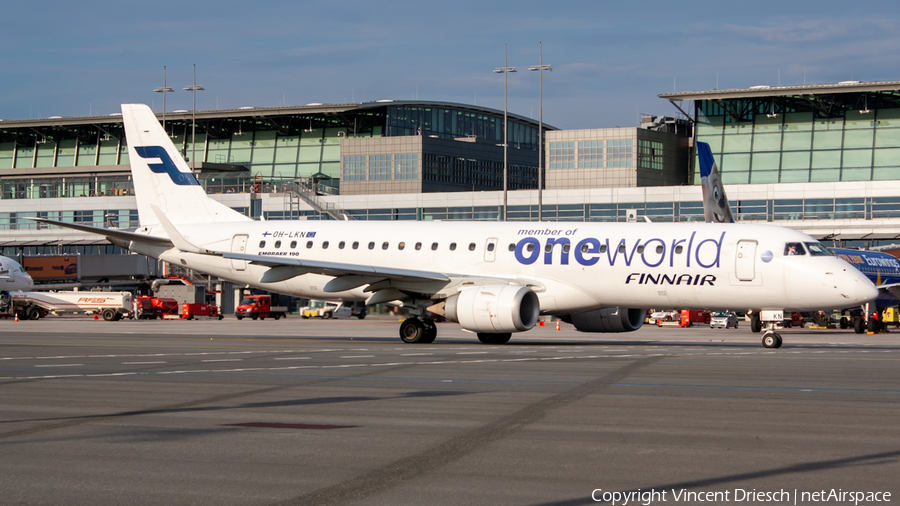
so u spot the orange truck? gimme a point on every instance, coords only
(200, 312)
(259, 307)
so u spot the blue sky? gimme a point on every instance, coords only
(610, 59)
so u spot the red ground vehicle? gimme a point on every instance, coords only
(200, 311)
(150, 308)
(259, 306)
(687, 318)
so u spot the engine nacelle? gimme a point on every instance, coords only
(494, 308)
(611, 319)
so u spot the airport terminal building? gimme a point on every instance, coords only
(824, 159)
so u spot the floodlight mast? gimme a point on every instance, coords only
(165, 89)
(505, 70)
(540, 69)
(194, 89)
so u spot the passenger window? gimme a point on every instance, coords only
(622, 248)
(452, 246)
(660, 249)
(418, 246)
(293, 244)
(548, 248)
(341, 245)
(530, 247)
(794, 248)
(309, 244)
(566, 248)
(384, 245)
(472, 246)
(262, 244)
(512, 247)
(355, 244)
(434, 246)
(679, 249)
(602, 248)
(371, 245)
(491, 247)
(277, 244)
(584, 248)
(401, 245)
(325, 245)
(640, 249)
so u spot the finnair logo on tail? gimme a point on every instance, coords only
(167, 166)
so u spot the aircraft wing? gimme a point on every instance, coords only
(302, 266)
(110, 234)
(892, 288)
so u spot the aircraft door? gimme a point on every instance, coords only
(239, 245)
(745, 260)
(490, 250)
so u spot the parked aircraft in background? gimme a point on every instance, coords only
(881, 268)
(493, 278)
(13, 276)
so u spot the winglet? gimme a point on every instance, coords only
(715, 203)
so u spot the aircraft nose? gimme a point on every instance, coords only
(863, 290)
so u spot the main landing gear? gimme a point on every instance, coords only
(418, 330)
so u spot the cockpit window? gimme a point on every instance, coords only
(794, 248)
(817, 250)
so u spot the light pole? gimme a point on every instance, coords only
(540, 69)
(165, 89)
(194, 89)
(505, 70)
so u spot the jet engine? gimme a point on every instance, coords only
(611, 319)
(494, 308)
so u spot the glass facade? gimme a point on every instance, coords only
(850, 137)
(271, 144)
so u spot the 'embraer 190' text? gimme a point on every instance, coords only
(654, 252)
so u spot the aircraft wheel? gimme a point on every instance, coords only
(874, 325)
(108, 314)
(770, 340)
(844, 323)
(412, 331)
(33, 313)
(430, 331)
(755, 323)
(778, 341)
(494, 338)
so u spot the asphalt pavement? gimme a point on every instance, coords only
(311, 412)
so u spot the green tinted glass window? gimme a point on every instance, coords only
(797, 141)
(857, 158)
(795, 160)
(856, 174)
(887, 138)
(886, 158)
(826, 159)
(858, 138)
(765, 161)
(767, 142)
(794, 176)
(827, 139)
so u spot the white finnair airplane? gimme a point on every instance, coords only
(13, 276)
(493, 278)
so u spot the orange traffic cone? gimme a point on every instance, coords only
(540, 323)
(17, 316)
(557, 325)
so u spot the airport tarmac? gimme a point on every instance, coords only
(312, 412)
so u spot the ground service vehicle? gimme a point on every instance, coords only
(326, 310)
(111, 306)
(666, 316)
(150, 308)
(259, 306)
(201, 312)
(686, 318)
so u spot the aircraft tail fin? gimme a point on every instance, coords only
(162, 178)
(715, 203)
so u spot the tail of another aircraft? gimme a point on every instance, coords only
(715, 203)
(161, 177)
